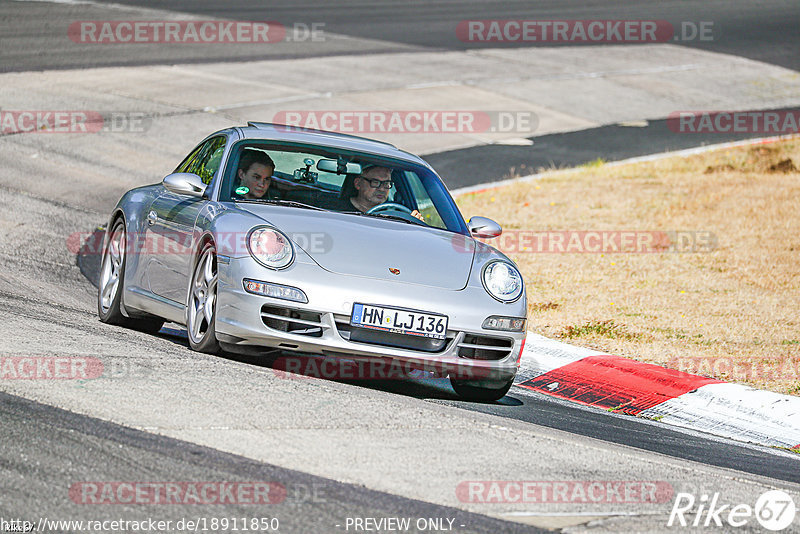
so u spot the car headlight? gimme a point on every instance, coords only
(270, 247)
(502, 281)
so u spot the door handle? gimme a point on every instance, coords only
(152, 217)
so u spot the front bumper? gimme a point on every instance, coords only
(330, 303)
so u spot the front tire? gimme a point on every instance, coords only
(468, 391)
(201, 309)
(112, 282)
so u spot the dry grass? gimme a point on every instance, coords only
(732, 313)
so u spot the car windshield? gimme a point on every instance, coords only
(339, 180)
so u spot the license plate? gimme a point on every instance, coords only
(396, 321)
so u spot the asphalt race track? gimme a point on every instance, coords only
(471, 166)
(764, 31)
(310, 503)
(340, 455)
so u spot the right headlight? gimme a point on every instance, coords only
(270, 247)
(502, 281)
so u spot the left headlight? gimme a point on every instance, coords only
(502, 281)
(270, 247)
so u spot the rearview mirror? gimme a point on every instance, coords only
(483, 227)
(184, 183)
(331, 165)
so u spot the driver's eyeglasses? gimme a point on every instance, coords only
(386, 184)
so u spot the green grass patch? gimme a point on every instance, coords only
(608, 329)
(599, 162)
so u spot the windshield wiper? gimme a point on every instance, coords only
(387, 216)
(279, 202)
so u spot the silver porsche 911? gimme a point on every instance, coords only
(272, 237)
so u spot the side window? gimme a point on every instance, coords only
(425, 203)
(188, 161)
(207, 160)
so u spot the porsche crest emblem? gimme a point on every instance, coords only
(394, 271)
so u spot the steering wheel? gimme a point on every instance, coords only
(405, 212)
(386, 206)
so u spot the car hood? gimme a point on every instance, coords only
(375, 247)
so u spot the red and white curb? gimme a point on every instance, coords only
(645, 390)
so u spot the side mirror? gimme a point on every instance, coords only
(184, 183)
(483, 227)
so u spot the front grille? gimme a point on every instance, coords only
(388, 339)
(291, 321)
(475, 347)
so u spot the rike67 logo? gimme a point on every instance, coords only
(774, 510)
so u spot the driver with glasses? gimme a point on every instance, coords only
(372, 188)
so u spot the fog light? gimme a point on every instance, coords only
(277, 291)
(508, 324)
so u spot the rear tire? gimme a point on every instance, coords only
(201, 309)
(112, 282)
(471, 392)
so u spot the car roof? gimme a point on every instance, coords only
(295, 134)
